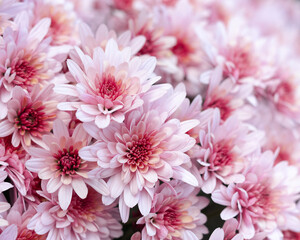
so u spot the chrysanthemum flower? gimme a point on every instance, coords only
(227, 232)
(175, 214)
(141, 151)
(223, 94)
(108, 85)
(12, 160)
(224, 150)
(63, 20)
(60, 163)
(18, 219)
(84, 219)
(238, 49)
(266, 199)
(23, 58)
(30, 115)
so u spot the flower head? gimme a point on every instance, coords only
(30, 115)
(84, 219)
(60, 164)
(108, 85)
(175, 213)
(265, 200)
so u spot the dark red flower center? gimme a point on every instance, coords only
(68, 160)
(183, 50)
(31, 118)
(109, 88)
(138, 154)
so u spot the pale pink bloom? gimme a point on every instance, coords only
(286, 93)
(12, 160)
(108, 85)
(266, 199)
(224, 95)
(179, 22)
(63, 19)
(136, 236)
(59, 163)
(89, 40)
(84, 219)
(23, 58)
(175, 213)
(142, 150)
(224, 149)
(238, 49)
(19, 218)
(157, 44)
(30, 115)
(227, 232)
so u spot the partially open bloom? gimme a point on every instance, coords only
(175, 213)
(84, 219)
(108, 85)
(144, 149)
(265, 200)
(60, 163)
(30, 115)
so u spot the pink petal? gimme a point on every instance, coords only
(80, 188)
(145, 202)
(65, 196)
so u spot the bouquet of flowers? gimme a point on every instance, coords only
(149, 119)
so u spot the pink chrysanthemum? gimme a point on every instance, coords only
(18, 219)
(63, 19)
(23, 58)
(30, 115)
(141, 151)
(175, 214)
(222, 94)
(84, 219)
(60, 164)
(108, 85)
(224, 150)
(12, 160)
(227, 232)
(265, 200)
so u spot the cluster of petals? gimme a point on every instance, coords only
(149, 119)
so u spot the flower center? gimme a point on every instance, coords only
(221, 103)
(30, 119)
(109, 88)
(172, 218)
(138, 154)
(86, 209)
(183, 50)
(222, 155)
(27, 234)
(24, 74)
(68, 160)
